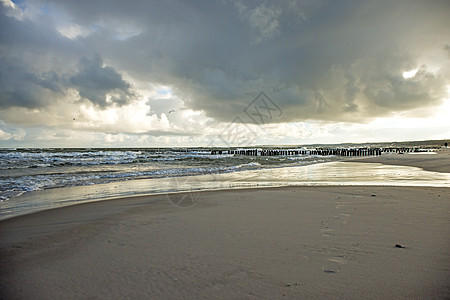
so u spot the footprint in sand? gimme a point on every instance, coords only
(339, 260)
(334, 264)
(343, 217)
(331, 269)
(338, 203)
(325, 229)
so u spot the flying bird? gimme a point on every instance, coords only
(171, 111)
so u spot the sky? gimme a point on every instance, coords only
(197, 73)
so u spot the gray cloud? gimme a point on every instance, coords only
(96, 82)
(319, 60)
(27, 79)
(161, 106)
(38, 65)
(262, 20)
(24, 87)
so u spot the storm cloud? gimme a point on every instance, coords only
(317, 60)
(96, 82)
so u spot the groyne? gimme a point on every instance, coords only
(361, 151)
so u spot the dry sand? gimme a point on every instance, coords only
(290, 243)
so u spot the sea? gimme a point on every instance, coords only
(38, 179)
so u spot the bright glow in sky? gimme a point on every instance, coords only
(191, 73)
(409, 74)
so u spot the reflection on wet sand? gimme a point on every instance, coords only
(332, 173)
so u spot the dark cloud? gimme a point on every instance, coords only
(38, 65)
(320, 60)
(24, 87)
(101, 85)
(28, 78)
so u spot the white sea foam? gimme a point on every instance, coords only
(332, 173)
(25, 170)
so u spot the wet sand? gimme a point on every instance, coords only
(346, 242)
(438, 162)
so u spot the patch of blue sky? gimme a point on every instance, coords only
(20, 4)
(164, 91)
(95, 27)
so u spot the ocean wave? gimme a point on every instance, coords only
(36, 169)
(41, 159)
(16, 185)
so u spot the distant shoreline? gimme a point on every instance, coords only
(437, 163)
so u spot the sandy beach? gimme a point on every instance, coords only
(328, 242)
(438, 162)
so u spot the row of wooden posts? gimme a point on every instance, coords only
(297, 152)
(364, 151)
